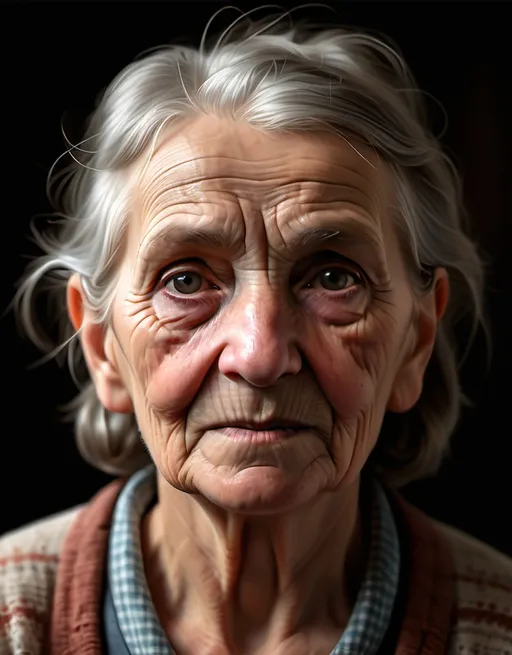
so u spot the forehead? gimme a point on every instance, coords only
(209, 156)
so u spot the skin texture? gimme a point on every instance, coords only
(263, 324)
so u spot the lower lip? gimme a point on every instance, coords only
(260, 436)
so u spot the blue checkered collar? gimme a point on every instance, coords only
(135, 613)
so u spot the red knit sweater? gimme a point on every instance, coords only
(455, 595)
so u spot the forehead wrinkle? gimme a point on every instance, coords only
(302, 213)
(234, 189)
(247, 149)
(168, 171)
(261, 170)
(173, 230)
(164, 200)
(161, 184)
(162, 177)
(199, 142)
(201, 166)
(308, 195)
(156, 200)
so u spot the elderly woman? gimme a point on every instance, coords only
(263, 258)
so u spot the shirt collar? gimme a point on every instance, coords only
(136, 616)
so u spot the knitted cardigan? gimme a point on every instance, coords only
(455, 595)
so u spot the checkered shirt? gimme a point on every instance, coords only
(135, 613)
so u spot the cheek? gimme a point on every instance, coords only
(163, 362)
(177, 365)
(347, 386)
(145, 350)
(354, 366)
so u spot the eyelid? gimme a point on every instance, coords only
(345, 268)
(333, 260)
(324, 259)
(328, 257)
(183, 266)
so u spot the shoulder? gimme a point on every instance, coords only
(44, 534)
(29, 558)
(483, 594)
(480, 571)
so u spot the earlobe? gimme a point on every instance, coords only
(408, 383)
(110, 386)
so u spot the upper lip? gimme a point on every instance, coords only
(273, 424)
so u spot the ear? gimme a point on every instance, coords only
(408, 383)
(97, 345)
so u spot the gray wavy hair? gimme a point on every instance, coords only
(278, 78)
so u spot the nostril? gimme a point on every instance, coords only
(271, 360)
(261, 349)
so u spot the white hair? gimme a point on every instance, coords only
(278, 78)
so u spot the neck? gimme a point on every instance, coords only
(246, 584)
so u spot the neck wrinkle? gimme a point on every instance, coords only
(237, 579)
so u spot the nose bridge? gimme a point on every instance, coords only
(262, 315)
(263, 306)
(260, 342)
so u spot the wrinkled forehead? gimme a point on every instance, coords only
(206, 157)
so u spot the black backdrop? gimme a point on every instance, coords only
(55, 59)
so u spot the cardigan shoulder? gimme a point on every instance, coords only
(482, 575)
(29, 559)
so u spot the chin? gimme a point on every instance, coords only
(259, 490)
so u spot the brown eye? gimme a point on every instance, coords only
(334, 279)
(185, 282)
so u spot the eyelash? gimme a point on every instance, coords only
(193, 266)
(358, 277)
(172, 272)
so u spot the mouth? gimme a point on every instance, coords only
(264, 426)
(276, 431)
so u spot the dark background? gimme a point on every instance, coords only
(56, 58)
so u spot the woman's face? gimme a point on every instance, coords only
(263, 321)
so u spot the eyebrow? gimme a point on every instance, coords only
(175, 234)
(335, 232)
(313, 238)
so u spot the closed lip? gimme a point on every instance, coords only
(268, 426)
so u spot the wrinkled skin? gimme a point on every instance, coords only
(263, 324)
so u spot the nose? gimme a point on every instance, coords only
(260, 342)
